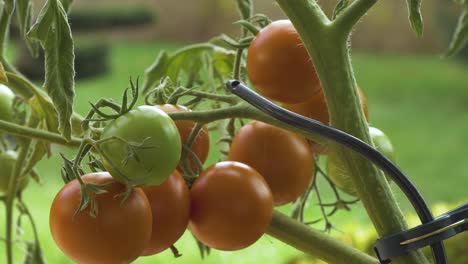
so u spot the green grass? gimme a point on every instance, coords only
(420, 102)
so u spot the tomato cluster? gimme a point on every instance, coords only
(227, 198)
(230, 204)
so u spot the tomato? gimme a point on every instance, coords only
(283, 158)
(170, 205)
(7, 164)
(316, 107)
(156, 147)
(231, 206)
(6, 102)
(335, 167)
(201, 144)
(279, 66)
(118, 234)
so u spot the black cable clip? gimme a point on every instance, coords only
(441, 228)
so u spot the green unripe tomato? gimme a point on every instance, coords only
(7, 164)
(154, 150)
(6, 102)
(335, 167)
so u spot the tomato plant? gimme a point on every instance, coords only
(98, 218)
(201, 144)
(150, 150)
(279, 66)
(340, 176)
(230, 206)
(118, 234)
(7, 163)
(170, 205)
(6, 102)
(283, 158)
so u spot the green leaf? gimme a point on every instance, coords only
(53, 32)
(342, 4)
(155, 71)
(245, 8)
(460, 37)
(43, 109)
(415, 17)
(24, 15)
(223, 62)
(185, 60)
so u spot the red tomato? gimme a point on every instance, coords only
(283, 158)
(231, 206)
(118, 234)
(201, 145)
(279, 66)
(170, 205)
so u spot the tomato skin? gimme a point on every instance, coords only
(279, 66)
(201, 144)
(118, 234)
(6, 102)
(7, 164)
(316, 107)
(283, 158)
(231, 206)
(154, 164)
(170, 206)
(335, 167)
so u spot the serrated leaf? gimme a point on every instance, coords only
(460, 36)
(53, 32)
(155, 71)
(415, 17)
(43, 109)
(188, 59)
(245, 8)
(24, 15)
(223, 62)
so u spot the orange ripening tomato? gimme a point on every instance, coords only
(283, 158)
(201, 145)
(231, 206)
(118, 234)
(316, 107)
(279, 66)
(170, 205)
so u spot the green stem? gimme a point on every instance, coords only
(332, 62)
(314, 242)
(4, 28)
(348, 18)
(230, 99)
(27, 132)
(241, 110)
(11, 193)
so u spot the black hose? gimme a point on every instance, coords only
(349, 141)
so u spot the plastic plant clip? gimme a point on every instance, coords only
(432, 231)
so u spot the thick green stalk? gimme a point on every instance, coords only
(315, 242)
(327, 46)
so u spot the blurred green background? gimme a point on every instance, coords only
(417, 98)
